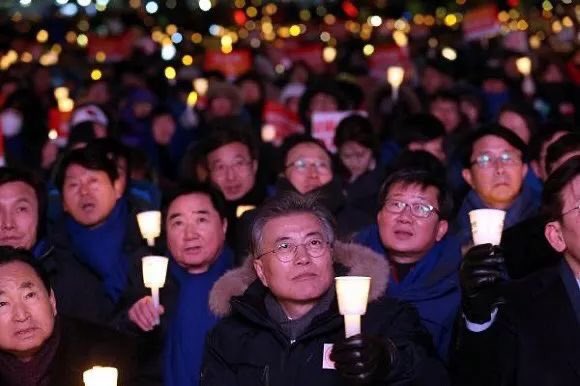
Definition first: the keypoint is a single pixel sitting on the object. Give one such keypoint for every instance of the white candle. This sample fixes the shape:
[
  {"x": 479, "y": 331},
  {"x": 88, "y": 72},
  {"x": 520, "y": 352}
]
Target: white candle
[
  {"x": 150, "y": 225},
  {"x": 395, "y": 76},
  {"x": 352, "y": 293},
  {"x": 524, "y": 65},
  {"x": 154, "y": 274},
  {"x": 101, "y": 376}
]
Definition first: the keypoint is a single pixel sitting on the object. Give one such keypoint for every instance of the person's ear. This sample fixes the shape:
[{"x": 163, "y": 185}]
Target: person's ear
[
  {"x": 52, "y": 300},
  {"x": 225, "y": 225},
  {"x": 442, "y": 228},
  {"x": 118, "y": 187},
  {"x": 259, "y": 268},
  {"x": 536, "y": 168},
  {"x": 553, "y": 233},
  {"x": 467, "y": 176}
]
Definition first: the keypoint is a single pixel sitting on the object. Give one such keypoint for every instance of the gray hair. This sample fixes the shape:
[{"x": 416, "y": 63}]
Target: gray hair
[{"x": 287, "y": 204}]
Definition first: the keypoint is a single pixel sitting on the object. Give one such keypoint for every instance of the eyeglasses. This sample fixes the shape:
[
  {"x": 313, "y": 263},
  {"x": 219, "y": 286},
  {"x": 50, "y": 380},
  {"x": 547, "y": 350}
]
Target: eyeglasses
[
  {"x": 486, "y": 160},
  {"x": 302, "y": 165},
  {"x": 286, "y": 250},
  {"x": 238, "y": 167},
  {"x": 418, "y": 209}
]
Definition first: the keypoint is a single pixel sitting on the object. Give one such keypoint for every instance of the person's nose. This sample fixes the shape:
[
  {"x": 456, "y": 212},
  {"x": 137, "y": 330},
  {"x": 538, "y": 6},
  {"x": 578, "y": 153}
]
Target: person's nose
[
  {"x": 84, "y": 188},
  {"x": 7, "y": 222},
  {"x": 20, "y": 312},
  {"x": 301, "y": 255},
  {"x": 499, "y": 167},
  {"x": 190, "y": 232},
  {"x": 312, "y": 171},
  {"x": 405, "y": 216},
  {"x": 230, "y": 174}
]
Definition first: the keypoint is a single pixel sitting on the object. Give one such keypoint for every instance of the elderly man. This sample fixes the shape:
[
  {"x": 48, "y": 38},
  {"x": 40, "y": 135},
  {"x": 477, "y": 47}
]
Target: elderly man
[
  {"x": 39, "y": 348},
  {"x": 494, "y": 167},
  {"x": 411, "y": 234},
  {"x": 195, "y": 225},
  {"x": 526, "y": 333},
  {"x": 97, "y": 242},
  {"x": 281, "y": 312}
]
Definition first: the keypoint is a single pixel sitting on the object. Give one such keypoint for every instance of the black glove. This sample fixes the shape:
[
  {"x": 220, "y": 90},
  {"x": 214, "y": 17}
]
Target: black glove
[
  {"x": 363, "y": 359},
  {"x": 481, "y": 274}
]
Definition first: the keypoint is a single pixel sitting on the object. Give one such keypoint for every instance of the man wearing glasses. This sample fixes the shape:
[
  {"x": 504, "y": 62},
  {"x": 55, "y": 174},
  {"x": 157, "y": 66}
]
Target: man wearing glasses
[
  {"x": 411, "y": 234},
  {"x": 281, "y": 324},
  {"x": 494, "y": 165}
]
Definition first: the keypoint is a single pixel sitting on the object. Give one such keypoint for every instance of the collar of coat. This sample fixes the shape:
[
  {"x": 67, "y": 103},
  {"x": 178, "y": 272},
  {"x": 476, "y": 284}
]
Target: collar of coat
[{"x": 358, "y": 261}]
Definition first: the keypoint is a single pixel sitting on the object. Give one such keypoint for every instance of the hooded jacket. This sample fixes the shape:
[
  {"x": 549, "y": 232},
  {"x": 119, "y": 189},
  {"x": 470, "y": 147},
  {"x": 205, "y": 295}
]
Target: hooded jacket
[{"x": 248, "y": 348}]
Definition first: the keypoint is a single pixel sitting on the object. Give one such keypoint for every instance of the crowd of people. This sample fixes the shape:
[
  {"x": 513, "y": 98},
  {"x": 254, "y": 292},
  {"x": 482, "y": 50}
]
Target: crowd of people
[{"x": 257, "y": 227}]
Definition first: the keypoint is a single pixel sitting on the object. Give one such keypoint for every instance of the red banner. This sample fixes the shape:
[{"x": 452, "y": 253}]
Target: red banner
[
  {"x": 232, "y": 65},
  {"x": 116, "y": 48},
  {"x": 324, "y": 126},
  {"x": 282, "y": 121},
  {"x": 481, "y": 23},
  {"x": 388, "y": 56}
]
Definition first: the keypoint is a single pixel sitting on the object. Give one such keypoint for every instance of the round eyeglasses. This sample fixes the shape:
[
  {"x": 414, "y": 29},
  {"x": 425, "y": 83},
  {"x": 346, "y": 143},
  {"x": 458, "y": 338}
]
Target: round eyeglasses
[
  {"x": 302, "y": 166},
  {"x": 418, "y": 209},
  {"x": 285, "y": 251},
  {"x": 487, "y": 160}
]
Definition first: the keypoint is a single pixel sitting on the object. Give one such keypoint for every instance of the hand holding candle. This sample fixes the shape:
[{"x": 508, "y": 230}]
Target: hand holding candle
[
  {"x": 150, "y": 225},
  {"x": 101, "y": 376},
  {"x": 352, "y": 293},
  {"x": 154, "y": 273}
]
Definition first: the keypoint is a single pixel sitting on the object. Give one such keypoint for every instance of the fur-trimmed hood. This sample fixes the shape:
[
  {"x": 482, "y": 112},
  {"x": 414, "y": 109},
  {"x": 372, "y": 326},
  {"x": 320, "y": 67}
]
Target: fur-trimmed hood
[{"x": 359, "y": 261}]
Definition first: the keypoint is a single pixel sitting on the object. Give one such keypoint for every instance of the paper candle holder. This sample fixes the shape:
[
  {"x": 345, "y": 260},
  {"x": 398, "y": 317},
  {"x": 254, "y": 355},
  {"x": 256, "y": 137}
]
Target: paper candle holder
[
  {"x": 486, "y": 225},
  {"x": 149, "y": 225},
  {"x": 101, "y": 376},
  {"x": 352, "y": 293}
]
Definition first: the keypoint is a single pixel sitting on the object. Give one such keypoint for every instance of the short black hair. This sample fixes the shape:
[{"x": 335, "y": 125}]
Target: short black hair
[
  {"x": 13, "y": 174},
  {"x": 445, "y": 95},
  {"x": 12, "y": 255},
  {"x": 216, "y": 197},
  {"x": 89, "y": 157},
  {"x": 421, "y": 127},
  {"x": 224, "y": 135},
  {"x": 524, "y": 111},
  {"x": 424, "y": 178},
  {"x": 298, "y": 139},
  {"x": 495, "y": 130},
  {"x": 544, "y": 134},
  {"x": 358, "y": 129},
  {"x": 552, "y": 200},
  {"x": 566, "y": 144}
]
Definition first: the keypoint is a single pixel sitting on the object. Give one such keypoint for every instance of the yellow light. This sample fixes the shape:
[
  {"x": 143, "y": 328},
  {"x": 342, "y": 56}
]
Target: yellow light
[
  {"x": 400, "y": 24},
  {"x": 324, "y": 36},
  {"x": 329, "y": 54},
  {"x": 48, "y": 59},
  {"x": 400, "y": 38},
  {"x": 524, "y": 65},
  {"x": 567, "y": 22},
  {"x": 305, "y": 15},
  {"x": 267, "y": 28},
  {"x": 449, "y": 53},
  {"x": 329, "y": 19},
  {"x": 270, "y": 9},
  {"x": 557, "y": 26},
  {"x": 166, "y": 41},
  {"x": 418, "y": 19},
  {"x": 82, "y": 40},
  {"x": 283, "y": 32},
  {"x": 226, "y": 40},
  {"x": 96, "y": 74},
  {"x": 100, "y": 7},
  {"x": 368, "y": 49},
  {"x": 200, "y": 85},
  {"x": 522, "y": 25},
  {"x": 134, "y": 3},
  {"x": 294, "y": 30},
  {"x": 450, "y": 20},
  {"x": 192, "y": 98},
  {"x": 26, "y": 57},
  {"x": 56, "y": 48},
  {"x": 196, "y": 38},
  {"x": 251, "y": 12},
  {"x": 234, "y": 36},
  {"x": 547, "y": 6},
  {"x": 240, "y": 3},
  {"x": 514, "y": 14},
  {"x": 227, "y": 49},
  {"x": 42, "y": 36},
  {"x": 429, "y": 20},
  {"x": 100, "y": 56},
  {"x": 535, "y": 42},
  {"x": 513, "y": 25},
  {"x": 71, "y": 37},
  {"x": 61, "y": 93},
  {"x": 52, "y": 134},
  {"x": 243, "y": 33},
  {"x": 170, "y": 72},
  {"x": 171, "y": 29},
  {"x": 187, "y": 60},
  {"x": 66, "y": 105}
]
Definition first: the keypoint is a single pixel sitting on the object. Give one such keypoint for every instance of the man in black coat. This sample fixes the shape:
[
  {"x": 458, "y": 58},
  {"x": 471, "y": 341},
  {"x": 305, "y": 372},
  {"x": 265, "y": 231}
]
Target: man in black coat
[
  {"x": 533, "y": 338},
  {"x": 37, "y": 348},
  {"x": 282, "y": 325}
]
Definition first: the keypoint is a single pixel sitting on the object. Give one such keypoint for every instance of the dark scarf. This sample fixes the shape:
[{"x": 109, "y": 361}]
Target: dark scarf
[
  {"x": 101, "y": 248},
  {"x": 36, "y": 372},
  {"x": 192, "y": 320},
  {"x": 293, "y": 328}
]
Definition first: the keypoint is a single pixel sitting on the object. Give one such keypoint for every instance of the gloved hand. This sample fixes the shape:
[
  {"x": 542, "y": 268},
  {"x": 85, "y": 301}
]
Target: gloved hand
[
  {"x": 481, "y": 274},
  {"x": 363, "y": 359}
]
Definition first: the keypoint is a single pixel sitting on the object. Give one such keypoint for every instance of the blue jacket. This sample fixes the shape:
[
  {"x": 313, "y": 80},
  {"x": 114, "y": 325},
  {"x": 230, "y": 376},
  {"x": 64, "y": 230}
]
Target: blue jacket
[
  {"x": 525, "y": 206},
  {"x": 432, "y": 286}
]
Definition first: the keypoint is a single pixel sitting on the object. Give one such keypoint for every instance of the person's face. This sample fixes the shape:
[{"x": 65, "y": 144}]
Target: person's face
[
  {"x": 195, "y": 232},
  {"x": 433, "y": 81},
  {"x": 99, "y": 93},
  {"x": 407, "y": 237},
  {"x": 322, "y": 102},
  {"x": 163, "y": 129},
  {"x": 18, "y": 215},
  {"x": 447, "y": 112},
  {"x": 356, "y": 157},
  {"x": 232, "y": 170},
  {"x": 564, "y": 234},
  {"x": 220, "y": 107},
  {"x": 142, "y": 109},
  {"x": 27, "y": 311},
  {"x": 515, "y": 123},
  {"x": 434, "y": 146},
  {"x": 250, "y": 92},
  {"x": 307, "y": 276},
  {"x": 497, "y": 183},
  {"x": 308, "y": 167},
  {"x": 89, "y": 196}
]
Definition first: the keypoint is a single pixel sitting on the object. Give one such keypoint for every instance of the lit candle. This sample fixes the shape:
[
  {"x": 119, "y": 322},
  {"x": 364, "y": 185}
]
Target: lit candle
[
  {"x": 524, "y": 66},
  {"x": 154, "y": 273},
  {"x": 150, "y": 225},
  {"x": 200, "y": 85},
  {"x": 395, "y": 76},
  {"x": 101, "y": 376},
  {"x": 352, "y": 293}
]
